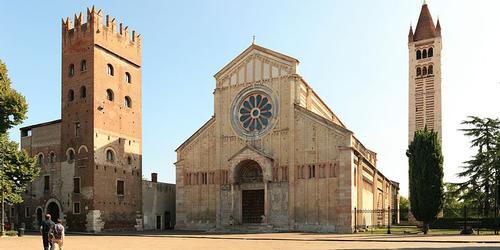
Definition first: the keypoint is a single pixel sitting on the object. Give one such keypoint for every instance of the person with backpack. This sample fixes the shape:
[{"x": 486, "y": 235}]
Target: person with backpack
[
  {"x": 45, "y": 228},
  {"x": 58, "y": 235}
]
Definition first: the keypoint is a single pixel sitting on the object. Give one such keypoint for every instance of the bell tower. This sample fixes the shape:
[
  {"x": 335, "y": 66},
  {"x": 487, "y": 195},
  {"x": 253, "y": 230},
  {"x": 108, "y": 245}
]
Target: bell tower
[
  {"x": 101, "y": 130},
  {"x": 424, "y": 50}
]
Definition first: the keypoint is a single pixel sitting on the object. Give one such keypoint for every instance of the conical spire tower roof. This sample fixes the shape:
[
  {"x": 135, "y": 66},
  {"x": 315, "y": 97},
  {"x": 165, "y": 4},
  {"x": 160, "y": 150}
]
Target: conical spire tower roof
[{"x": 425, "y": 28}]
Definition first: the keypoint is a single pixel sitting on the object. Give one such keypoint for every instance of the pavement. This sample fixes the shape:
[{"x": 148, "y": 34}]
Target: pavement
[{"x": 260, "y": 241}]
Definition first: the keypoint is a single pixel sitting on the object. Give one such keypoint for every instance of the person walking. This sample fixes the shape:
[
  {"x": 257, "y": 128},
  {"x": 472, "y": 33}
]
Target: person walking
[
  {"x": 45, "y": 229},
  {"x": 58, "y": 239}
]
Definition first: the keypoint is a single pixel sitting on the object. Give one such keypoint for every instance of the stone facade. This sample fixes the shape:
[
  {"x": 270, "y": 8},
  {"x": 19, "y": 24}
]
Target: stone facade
[
  {"x": 91, "y": 159},
  {"x": 158, "y": 204},
  {"x": 274, "y": 155}
]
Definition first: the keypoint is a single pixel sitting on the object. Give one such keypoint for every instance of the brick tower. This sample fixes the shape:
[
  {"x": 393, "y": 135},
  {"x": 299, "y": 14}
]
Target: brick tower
[
  {"x": 424, "y": 48},
  {"x": 101, "y": 127}
]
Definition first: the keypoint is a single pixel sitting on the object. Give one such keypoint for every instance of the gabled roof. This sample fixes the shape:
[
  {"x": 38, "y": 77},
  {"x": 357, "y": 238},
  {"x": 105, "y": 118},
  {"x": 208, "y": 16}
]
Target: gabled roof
[
  {"x": 247, "y": 51},
  {"x": 199, "y": 131},
  {"x": 249, "y": 147},
  {"x": 425, "y": 28},
  {"x": 40, "y": 125}
]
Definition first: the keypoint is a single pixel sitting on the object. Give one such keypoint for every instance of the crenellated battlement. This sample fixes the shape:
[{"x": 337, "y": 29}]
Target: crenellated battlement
[{"x": 94, "y": 25}]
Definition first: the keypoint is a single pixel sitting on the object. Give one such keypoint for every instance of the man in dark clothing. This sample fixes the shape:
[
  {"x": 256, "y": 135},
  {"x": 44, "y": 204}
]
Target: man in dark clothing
[{"x": 47, "y": 224}]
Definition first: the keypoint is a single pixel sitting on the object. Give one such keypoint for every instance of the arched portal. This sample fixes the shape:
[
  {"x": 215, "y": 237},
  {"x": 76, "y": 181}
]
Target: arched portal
[
  {"x": 53, "y": 210},
  {"x": 249, "y": 176}
]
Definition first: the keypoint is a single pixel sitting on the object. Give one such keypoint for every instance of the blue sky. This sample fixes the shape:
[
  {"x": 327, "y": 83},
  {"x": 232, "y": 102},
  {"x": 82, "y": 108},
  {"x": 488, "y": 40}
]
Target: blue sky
[{"x": 353, "y": 53}]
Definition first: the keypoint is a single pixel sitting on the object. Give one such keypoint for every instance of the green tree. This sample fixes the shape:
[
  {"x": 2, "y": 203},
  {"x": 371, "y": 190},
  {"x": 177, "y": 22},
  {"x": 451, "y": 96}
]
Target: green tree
[
  {"x": 13, "y": 106},
  {"x": 17, "y": 168},
  {"x": 482, "y": 171},
  {"x": 425, "y": 176},
  {"x": 404, "y": 205}
]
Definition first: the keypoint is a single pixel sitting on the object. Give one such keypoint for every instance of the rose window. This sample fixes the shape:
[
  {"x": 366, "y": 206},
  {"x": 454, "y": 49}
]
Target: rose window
[{"x": 255, "y": 112}]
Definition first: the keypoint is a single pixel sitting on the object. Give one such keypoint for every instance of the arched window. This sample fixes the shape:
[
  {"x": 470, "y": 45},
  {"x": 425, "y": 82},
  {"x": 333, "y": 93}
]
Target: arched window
[
  {"x": 128, "y": 79},
  {"x": 430, "y": 52},
  {"x": 52, "y": 157},
  {"x": 71, "y": 95},
  {"x": 419, "y": 71},
  {"x": 109, "y": 95},
  {"x": 83, "y": 92},
  {"x": 83, "y": 65},
  {"x": 110, "y": 156},
  {"x": 71, "y": 70},
  {"x": 39, "y": 160},
  {"x": 419, "y": 54},
  {"x": 424, "y": 71},
  {"x": 424, "y": 53},
  {"x": 71, "y": 155},
  {"x": 430, "y": 70},
  {"x": 128, "y": 102},
  {"x": 111, "y": 71}
]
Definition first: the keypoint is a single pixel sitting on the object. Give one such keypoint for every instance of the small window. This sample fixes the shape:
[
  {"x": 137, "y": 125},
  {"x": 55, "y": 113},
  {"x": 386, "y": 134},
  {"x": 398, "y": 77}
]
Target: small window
[
  {"x": 312, "y": 171},
  {"x": 46, "y": 183},
  {"x": 128, "y": 102},
  {"x": 83, "y": 92},
  {"x": 71, "y": 95},
  {"x": 76, "y": 185},
  {"x": 129, "y": 160},
  {"x": 52, "y": 157},
  {"x": 430, "y": 52},
  {"x": 76, "y": 208},
  {"x": 128, "y": 79},
  {"x": 424, "y": 71},
  {"x": 419, "y": 54},
  {"x": 27, "y": 212},
  {"x": 77, "y": 129},
  {"x": 110, "y": 95},
  {"x": 71, "y": 155},
  {"x": 430, "y": 70},
  {"x": 419, "y": 71},
  {"x": 424, "y": 53},
  {"x": 110, "y": 156},
  {"x": 40, "y": 159},
  {"x": 355, "y": 177},
  {"x": 120, "y": 187},
  {"x": 71, "y": 70},
  {"x": 83, "y": 65},
  {"x": 111, "y": 71}
]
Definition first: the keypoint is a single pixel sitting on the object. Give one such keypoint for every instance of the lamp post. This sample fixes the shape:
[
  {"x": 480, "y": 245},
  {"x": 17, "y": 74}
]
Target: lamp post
[{"x": 2, "y": 211}]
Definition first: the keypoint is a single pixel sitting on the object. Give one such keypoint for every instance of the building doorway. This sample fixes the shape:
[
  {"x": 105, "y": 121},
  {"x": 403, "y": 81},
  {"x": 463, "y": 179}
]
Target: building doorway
[
  {"x": 167, "y": 221},
  {"x": 39, "y": 216},
  {"x": 53, "y": 210},
  {"x": 252, "y": 206},
  {"x": 250, "y": 177},
  {"x": 158, "y": 222}
]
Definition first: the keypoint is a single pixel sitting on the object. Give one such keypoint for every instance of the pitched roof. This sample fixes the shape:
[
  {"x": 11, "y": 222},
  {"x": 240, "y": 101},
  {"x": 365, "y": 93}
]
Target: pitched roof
[{"x": 425, "y": 27}]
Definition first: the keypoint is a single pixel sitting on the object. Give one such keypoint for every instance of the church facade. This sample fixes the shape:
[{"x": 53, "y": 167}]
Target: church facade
[{"x": 276, "y": 156}]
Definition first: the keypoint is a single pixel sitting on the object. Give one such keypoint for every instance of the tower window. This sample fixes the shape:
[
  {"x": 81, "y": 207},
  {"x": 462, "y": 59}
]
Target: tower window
[
  {"x": 129, "y": 160},
  {"x": 110, "y": 156},
  {"x": 128, "y": 102},
  {"x": 419, "y": 71},
  {"x": 430, "y": 52},
  {"x": 71, "y": 95},
  {"x": 109, "y": 95},
  {"x": 77, "y": 129},
  {"x": 39, "y": 160},
  {"x": 76, "y": 185},
  {"x": 83, "y": 65},
  {"x": 128, "y": 79},
  {"x": 71, "y": 155},
  {"x": 419, "y": 54},
  {"x": 120, "y": 187},
  {"x": 430, "y": 70},
  {"x": 424, "y": 53},
  {"x": 83, "y": 92},
  {"x": 52, "y": 157},
  {"x": 71, "y": 71},
  {"x": 111, "y": 71},
  {"x": 424, "y": 71}
]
